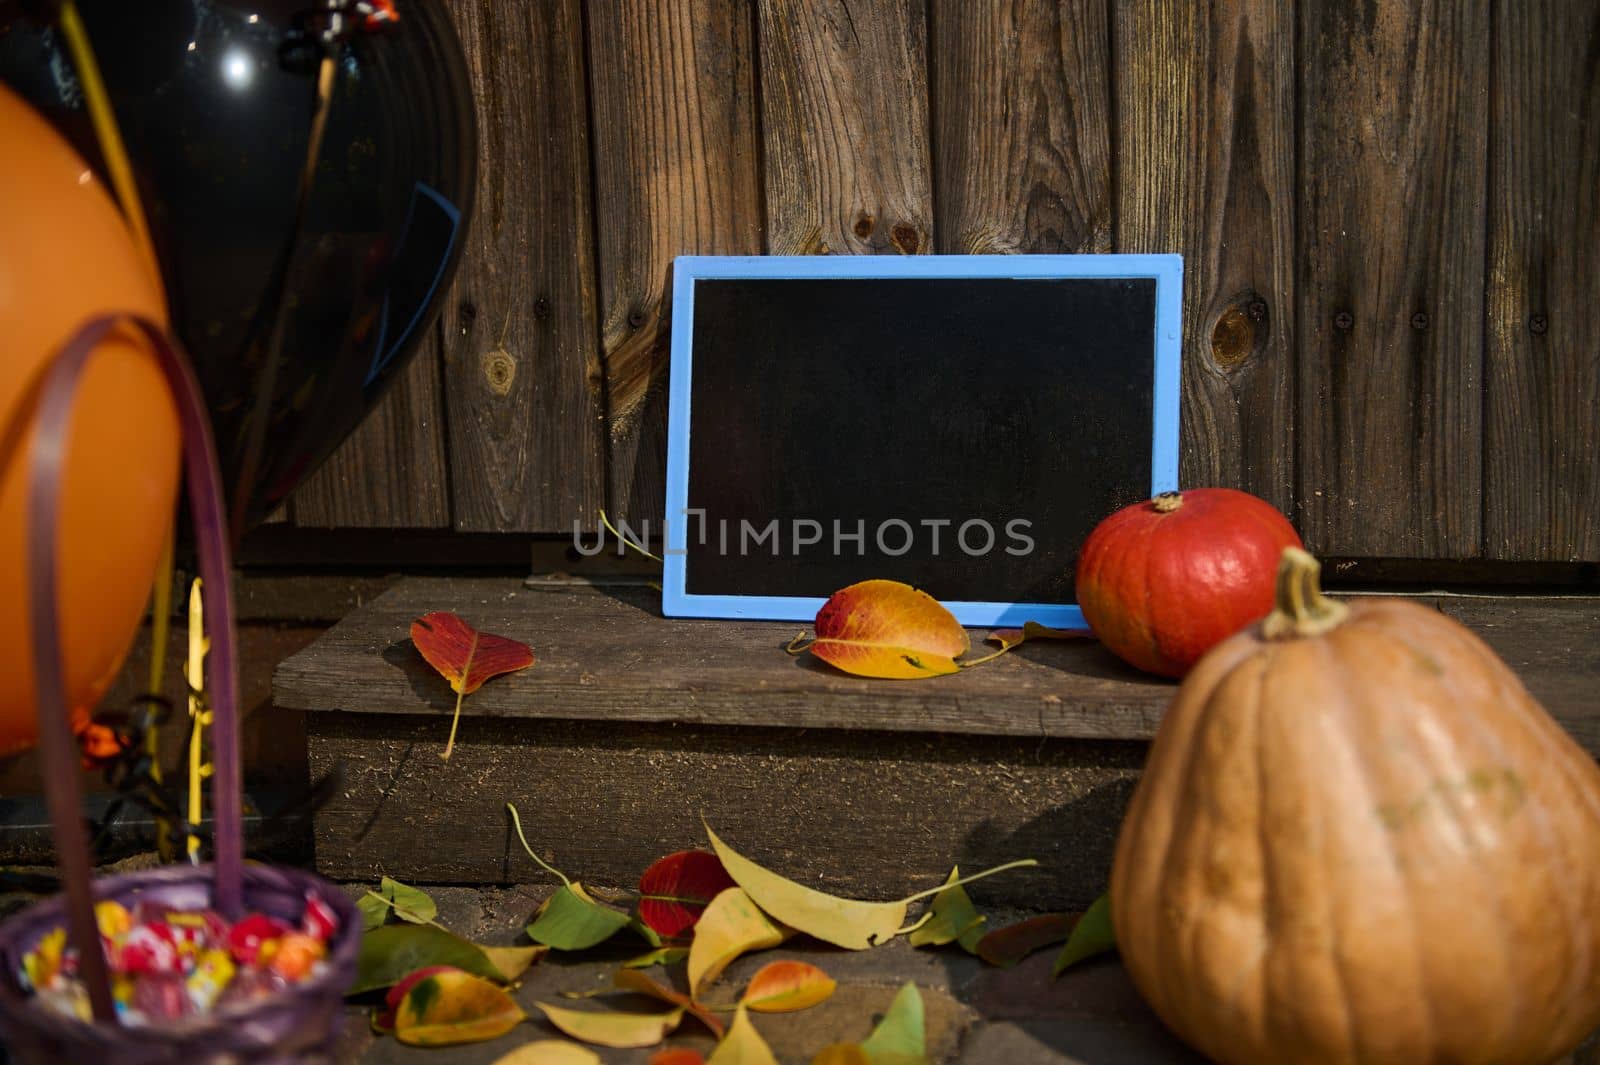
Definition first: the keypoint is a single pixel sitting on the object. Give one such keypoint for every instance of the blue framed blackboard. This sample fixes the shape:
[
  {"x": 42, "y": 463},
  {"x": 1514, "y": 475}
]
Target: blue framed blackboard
[{"x": 956, "y": 422}]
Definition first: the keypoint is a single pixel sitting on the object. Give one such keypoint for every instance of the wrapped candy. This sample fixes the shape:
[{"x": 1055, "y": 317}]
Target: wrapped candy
[
  {"x": 249, "y": 985},
  {"x": 160, "y": 996},
  {"x": 167, "y": 964},
  {"x": 246, "y": 938},
  {"x": 295, "y": 955},
  {"x": 113, "y": 918},
  {"x": 148, "y": 948},
  {"x": 212, "y": 974},
  {"x": 319, "y": 922}
]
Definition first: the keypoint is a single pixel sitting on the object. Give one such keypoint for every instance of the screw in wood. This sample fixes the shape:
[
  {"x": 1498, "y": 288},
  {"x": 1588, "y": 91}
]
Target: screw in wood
[
  {"x": 1257, "y": 310},
  {"x": 636, "y": 318},
  {"x": 1343, "y": 320},
  {"x": 1538, "y": 325},
  {"x": 1419, "y": 321}
]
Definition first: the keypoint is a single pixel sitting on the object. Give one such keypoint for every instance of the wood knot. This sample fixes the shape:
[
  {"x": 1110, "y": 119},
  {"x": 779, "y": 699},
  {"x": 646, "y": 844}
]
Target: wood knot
[
  {"x": 1235, "y": 334},
  {"x": 863, "y": 226},
  {"x": 500, "y": 370},
  {"x": 904, "y": 236}
]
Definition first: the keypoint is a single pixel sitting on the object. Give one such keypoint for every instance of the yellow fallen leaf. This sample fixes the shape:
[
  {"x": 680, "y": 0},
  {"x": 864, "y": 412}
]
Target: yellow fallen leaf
[
  {"x": 451, "y": 1007},
  {"x": 732, "y": 925},
  {"x": 743, "y": 1045},
  {"x": 848, "y": 923},
  {"x": 841, "y": 1054},
  {"x": 609, "y": 1028},
  {"x": 512, "y": 962},
  {"x": 550, "y": 1052},
  {"x": 787, "y": 986}
]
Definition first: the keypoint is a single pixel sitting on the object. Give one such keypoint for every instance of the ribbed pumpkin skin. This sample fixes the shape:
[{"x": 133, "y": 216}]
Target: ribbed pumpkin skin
[
  {"x": 1370, "y": 846},
  {"x": 1162, "y": 589}
]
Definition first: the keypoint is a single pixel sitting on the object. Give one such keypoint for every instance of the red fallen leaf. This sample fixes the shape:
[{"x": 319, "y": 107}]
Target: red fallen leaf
[
  {"x": 465, "y": 657},
  {"x": 677, "y": 1056},
  {"x": 676, "y": 890},
  {"x": 1007, "y": 946}
]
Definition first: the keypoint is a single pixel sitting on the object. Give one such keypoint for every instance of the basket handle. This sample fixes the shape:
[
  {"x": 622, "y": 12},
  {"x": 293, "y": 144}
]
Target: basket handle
[{"x": 57, "y": 747}]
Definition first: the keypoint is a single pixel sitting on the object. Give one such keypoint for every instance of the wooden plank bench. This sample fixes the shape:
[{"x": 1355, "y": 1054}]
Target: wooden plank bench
[{"x": 631, "y": 726}]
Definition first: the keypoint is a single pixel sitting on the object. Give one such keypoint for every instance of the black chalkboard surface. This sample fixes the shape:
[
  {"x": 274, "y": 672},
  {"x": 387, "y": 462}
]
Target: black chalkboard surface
[{"x": 960, "y": 433}]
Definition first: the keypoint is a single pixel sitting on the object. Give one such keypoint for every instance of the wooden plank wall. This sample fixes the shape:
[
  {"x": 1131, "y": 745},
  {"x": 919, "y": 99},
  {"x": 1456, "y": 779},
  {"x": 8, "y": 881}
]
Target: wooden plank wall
[{"x": 1388, "y": 211}]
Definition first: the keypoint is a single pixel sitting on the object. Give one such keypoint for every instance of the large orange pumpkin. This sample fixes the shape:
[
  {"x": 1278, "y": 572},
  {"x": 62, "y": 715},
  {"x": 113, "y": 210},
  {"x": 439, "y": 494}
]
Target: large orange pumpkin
[
  {"x": 65, "y": 256},
  {"x": 1359, "y": 840}
]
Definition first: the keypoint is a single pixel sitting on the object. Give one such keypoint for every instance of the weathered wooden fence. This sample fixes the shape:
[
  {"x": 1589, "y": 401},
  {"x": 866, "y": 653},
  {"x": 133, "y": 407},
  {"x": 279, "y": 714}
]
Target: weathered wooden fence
[{"x": 1389, "y": 212}]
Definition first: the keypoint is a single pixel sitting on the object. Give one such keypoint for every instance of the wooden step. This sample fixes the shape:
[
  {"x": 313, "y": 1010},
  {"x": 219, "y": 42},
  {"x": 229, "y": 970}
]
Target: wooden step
[{"x": 631, "y": 726}]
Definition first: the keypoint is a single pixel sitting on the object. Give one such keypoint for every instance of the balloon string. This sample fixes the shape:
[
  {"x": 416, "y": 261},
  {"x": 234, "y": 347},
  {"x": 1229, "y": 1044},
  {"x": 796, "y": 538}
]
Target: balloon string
[
  {"x": 109, "y": 138},
  {"x": 160, "y": 632},
  {"x": 266, "y": 381},
  {"x": 115, "y": 154}
]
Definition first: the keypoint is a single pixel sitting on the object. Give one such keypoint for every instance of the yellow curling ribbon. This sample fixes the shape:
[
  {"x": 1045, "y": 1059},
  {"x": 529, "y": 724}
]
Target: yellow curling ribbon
[{"x": 199, "y": 716}]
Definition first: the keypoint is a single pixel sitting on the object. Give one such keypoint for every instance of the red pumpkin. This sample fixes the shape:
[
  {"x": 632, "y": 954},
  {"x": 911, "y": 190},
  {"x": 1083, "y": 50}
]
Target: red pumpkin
[{"x": 1164, "y": 581}]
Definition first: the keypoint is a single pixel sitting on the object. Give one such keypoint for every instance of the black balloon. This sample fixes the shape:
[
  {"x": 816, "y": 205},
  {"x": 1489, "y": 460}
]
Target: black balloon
[{"x": 215, "y": 100}]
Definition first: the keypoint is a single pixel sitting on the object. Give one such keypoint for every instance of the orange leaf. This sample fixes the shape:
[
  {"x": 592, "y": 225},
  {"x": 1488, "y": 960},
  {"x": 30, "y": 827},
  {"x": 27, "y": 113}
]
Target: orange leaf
[
  {"x": 1007, "y": 946},
  {"x": 887, "y": 629},
  {"x": 677, "y": 1056},
  {"x": 787, "y": 986},
  {"x": 675, "y": 891},
  {"x": 463, "y": 655},
  {"x": 452, "y": 1007},
  {"x": 637, "y": 982}
]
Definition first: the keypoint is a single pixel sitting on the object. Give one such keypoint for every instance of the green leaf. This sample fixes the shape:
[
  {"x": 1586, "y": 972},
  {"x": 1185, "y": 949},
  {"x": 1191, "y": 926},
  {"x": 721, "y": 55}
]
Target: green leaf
[
  {"x": 954, "y": 919},
  {"x": 659, "y": 956},
  {"x": 1092, "y": 935},
  {"x": 374, "y": 910},
  {"x": 393, "y": 952},
  {"x": 412, "y": 905},
  {"x": 900, "y": 1037},
  {"x": 571, "y": 919}
]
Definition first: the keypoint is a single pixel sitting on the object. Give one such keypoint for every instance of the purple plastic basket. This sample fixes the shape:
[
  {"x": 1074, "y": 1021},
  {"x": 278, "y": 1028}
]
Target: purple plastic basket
[{"x": 296, "y": 1027}]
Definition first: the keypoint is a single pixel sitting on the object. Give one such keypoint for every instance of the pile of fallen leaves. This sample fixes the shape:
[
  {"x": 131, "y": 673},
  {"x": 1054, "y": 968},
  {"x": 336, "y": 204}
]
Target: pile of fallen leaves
[{"x": 694, "y": 914}]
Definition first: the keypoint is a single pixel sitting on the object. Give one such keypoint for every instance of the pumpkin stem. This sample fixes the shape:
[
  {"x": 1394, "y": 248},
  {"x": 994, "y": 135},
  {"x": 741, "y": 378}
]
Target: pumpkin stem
[
  {"x": 1167, "y": 502},
  {"x": 1300, "y": 608}
]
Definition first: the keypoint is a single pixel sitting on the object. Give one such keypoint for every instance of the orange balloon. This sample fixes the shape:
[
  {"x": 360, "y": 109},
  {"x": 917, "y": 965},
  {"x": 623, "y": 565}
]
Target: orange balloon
[{"x": 66, "y": 256}]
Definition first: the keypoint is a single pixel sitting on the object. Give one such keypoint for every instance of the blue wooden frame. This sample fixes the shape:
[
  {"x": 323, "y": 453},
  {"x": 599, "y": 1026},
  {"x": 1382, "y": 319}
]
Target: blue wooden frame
[{"x": 1167, "y": 270}]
